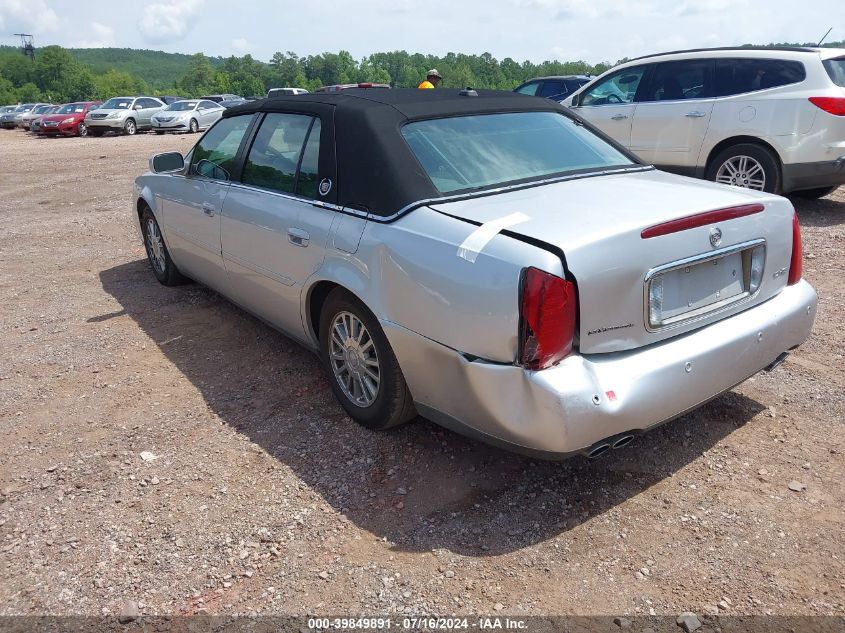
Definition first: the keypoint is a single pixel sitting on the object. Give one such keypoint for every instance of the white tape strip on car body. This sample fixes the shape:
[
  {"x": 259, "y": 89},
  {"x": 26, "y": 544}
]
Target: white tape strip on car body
[{"x": 478, "y": 239}]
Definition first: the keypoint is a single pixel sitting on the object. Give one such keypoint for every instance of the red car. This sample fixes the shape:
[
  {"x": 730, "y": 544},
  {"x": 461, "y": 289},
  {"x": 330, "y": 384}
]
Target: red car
[{"x": 69, "y": 120}]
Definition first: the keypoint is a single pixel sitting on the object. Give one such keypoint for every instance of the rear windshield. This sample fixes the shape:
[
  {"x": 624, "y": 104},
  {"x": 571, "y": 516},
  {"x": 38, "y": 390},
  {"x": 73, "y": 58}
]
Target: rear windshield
[
  {"x": 180, "y": 106},
  {"x": 471, "y": 152},
  {"x": 116, "y": 104},
  {"x": 69, "y": 108},
  {"x": 836, "y": 69}
]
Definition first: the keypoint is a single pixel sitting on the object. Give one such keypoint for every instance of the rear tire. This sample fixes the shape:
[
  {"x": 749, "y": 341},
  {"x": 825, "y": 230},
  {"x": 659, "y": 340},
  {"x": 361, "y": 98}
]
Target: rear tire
[
  {"x": 745, "y": 165},
  {"x": 163, "y": 267},
  {"x": 351, "y": 338},
  {"x": 814, "y": 194}
]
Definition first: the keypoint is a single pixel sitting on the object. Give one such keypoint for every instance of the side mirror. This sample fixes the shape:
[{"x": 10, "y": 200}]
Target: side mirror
[
  {"x": 138, "y": 106},
  {"x": 167, "y": 162}
]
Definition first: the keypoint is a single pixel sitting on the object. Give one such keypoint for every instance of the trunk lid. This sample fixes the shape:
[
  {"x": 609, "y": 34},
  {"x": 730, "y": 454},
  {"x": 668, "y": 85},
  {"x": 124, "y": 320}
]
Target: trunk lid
[{"x": 597, "y": 222}]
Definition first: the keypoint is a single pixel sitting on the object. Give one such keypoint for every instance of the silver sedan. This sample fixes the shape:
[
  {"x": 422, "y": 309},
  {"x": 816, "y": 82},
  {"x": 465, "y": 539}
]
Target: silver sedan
[
  {"x": 486, "y": 260},
  {"x": 190, "y": 115}
]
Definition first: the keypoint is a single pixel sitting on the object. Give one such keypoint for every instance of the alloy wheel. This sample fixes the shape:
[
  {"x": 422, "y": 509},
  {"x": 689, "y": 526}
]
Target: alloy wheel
[
  {"x": 82, "y": 130},
  {"x": 155, "y": 247},
  {"x": 354, "y": 359},
  {"x": 742, "y": 171}
]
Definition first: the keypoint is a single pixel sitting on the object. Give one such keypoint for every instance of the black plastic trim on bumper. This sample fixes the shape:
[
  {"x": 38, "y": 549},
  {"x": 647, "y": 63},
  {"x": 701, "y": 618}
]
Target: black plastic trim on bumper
[{"x": 829, "y": 173}]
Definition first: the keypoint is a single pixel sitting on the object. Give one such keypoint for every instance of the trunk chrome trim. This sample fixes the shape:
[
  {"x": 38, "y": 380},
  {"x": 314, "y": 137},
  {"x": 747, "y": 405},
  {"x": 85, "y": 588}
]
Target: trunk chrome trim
[{"x": 706, "y": 311}]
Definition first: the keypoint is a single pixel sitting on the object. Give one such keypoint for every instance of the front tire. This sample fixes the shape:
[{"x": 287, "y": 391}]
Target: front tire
[
  {"x": 193, "y": 126},
  {"x": 748, "y": 166},
  {"x": 129, "y": 128},
  {"x": 364, "y": 373},
  {"x": 163, "y": 267},
  {"x": 81, "y": 130}
]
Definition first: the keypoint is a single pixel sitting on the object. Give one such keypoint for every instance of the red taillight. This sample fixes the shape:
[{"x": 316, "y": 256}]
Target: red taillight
[
  {"x": 547, "y": 319},
  {"x": 796, "y": 263},
  {"x": 700, "y": 219},
  {"x": 831, "y": 105}
]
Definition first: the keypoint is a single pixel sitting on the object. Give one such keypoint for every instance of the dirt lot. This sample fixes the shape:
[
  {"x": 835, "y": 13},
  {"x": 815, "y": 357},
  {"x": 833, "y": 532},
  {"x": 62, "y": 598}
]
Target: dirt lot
[{"x": 261, "y": 496}]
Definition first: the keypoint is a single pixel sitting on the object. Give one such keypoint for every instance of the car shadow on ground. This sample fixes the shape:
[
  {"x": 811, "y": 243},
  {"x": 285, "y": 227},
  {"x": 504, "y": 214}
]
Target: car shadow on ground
[
  {"x": 819, "y": 213},
  {"x": 419, "y": 487}
]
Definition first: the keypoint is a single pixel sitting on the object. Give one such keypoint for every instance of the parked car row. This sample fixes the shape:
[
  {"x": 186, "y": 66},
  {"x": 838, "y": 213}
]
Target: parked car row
[{"x": 123, "y": 115}]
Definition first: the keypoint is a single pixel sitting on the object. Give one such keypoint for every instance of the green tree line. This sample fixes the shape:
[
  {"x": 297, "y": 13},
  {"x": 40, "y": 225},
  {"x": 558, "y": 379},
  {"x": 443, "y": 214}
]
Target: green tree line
[
  {"x": 58, "y": 75},
  {"x": 61, "y": 75}
]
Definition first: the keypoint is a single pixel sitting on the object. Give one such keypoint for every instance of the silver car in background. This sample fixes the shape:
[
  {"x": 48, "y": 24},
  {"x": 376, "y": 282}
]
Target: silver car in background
[
  {"x": 484, "y": 259},
  {"x": 125, "y": 115},
  {"x": 190, "y": 115},
  {"x": 9, "y": 120},
  {"x": 40, "y": 109}
]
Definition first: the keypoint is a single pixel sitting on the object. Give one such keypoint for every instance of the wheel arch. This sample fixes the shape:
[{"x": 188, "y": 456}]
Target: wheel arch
[
  {"x": 741, "y": 140},
  {"x": 315, "y": 298}
]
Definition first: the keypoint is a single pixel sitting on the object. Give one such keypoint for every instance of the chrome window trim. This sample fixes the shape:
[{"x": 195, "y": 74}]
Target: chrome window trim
[
  {"x": 712, "y": 309},
  {"x": 294, "y": 197}
]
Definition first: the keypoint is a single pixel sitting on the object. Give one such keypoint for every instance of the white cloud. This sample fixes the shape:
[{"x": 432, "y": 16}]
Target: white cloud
[
  {"x": 102, "y": 36},
  {"x": 164, "y": 23},
  {"x": 29, "y": 16},
  {"x": 240, "y": 44}
]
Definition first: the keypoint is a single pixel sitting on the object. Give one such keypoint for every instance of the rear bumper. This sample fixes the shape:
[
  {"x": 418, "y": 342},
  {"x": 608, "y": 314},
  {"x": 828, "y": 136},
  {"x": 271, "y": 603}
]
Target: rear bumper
[
  {"x": 829, "y": 173},
  {"x": 568, "y": 408}
]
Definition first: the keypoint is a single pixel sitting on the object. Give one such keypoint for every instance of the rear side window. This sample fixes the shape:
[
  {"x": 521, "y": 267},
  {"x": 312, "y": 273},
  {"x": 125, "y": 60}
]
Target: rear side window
[
  {"x": 836, "y": 70},
  {"x": 471, "y": 152},
  {"x": 280, "y": 153},
  {"x": 676, "y": 81},
  {"x": 552, "y": 88},
  {"x": 214, "y": 156},
  {"x": 738, "y": 76}
]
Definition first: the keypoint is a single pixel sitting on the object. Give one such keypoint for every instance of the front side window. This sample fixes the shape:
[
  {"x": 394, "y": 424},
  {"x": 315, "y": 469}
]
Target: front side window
[
  {"x": 274, "y": 159},
  {"x": 738, "y": 76},
  {"x": 676, "y": 81},
  {"x": 214, "y": 155},
  {"x": 620, "y": 87},
  {"x": 529, "y": 89},
  {"x": 472, "y": 152}
]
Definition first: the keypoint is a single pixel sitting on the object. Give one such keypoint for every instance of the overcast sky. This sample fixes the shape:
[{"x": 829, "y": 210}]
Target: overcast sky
[{"x": 591, "y": 30}]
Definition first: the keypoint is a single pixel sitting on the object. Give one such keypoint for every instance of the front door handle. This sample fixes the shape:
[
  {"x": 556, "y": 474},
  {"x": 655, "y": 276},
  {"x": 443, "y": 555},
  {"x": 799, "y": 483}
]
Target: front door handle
[
  {"x": 619, "y": 117},
  {"x": 696, "y": 114},
  {"x": 298, "y": 237}
]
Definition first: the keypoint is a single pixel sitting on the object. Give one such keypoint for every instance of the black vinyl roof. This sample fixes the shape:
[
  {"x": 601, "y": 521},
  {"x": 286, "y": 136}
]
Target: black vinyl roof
[{"x": 375, "y": 168}]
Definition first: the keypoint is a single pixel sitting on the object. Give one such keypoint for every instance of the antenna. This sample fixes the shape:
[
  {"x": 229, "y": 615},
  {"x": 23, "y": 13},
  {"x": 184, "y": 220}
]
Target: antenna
[
  {"x": 27, "y": 47},
  {"x": 825, "y": 35}
]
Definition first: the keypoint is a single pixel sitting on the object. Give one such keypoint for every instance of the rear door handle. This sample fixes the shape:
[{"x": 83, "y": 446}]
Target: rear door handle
[
  {"x": 696, "y": 114},
  {"x": 298, "y": 237},
  {"x": 619, "y": 117},
  {"x": 208, "y": 209}
]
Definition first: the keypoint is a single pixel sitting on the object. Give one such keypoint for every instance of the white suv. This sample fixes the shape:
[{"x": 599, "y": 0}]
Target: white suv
[{"x": 763, "y": 118}]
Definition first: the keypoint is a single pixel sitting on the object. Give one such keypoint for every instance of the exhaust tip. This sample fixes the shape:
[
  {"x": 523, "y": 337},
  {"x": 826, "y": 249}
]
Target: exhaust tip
[
  {"x": 623, "y": 441},
  {"x": 777, "y": 362},
  {"x": 596, "y": 451}
]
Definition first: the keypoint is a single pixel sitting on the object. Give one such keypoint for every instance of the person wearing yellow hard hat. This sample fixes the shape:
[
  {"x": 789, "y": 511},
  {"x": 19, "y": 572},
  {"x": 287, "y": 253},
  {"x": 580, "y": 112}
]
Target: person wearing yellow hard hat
[{"x": 432, "y": 78}]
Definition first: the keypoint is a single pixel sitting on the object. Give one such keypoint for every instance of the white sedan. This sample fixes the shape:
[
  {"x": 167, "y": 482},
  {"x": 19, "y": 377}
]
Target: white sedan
[{"x": 187, "y": 116}]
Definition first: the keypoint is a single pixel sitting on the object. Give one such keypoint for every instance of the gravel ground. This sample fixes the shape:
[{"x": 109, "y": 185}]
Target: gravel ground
[{"x": 162, "y": 447}]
